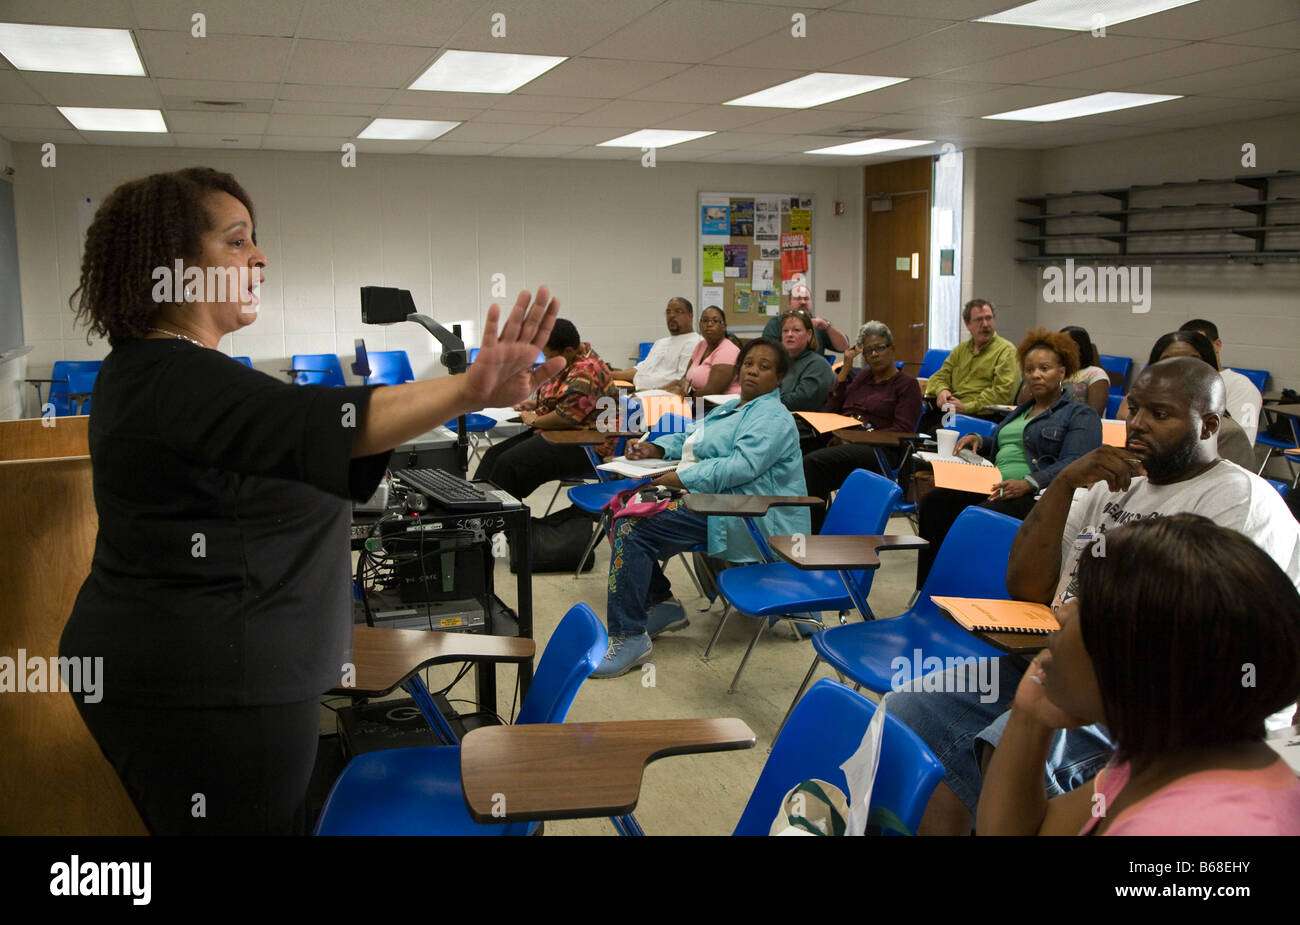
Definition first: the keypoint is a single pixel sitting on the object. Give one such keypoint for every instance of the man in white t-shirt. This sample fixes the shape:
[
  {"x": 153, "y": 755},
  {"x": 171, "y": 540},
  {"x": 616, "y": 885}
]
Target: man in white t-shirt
[
  {"x": 1243, "y": 401},
  {"x": 668, "y": 358},
  {"x": 1170, "y": 464}
]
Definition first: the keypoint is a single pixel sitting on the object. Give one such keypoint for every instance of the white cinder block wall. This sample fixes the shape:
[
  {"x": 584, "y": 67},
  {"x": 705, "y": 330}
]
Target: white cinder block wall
[{"x": 600, "y": 233}]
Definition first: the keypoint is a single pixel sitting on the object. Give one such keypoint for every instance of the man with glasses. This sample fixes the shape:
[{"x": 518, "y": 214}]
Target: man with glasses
[
  {"x": 828, "y": 337},
  {"x": 979, "y": 372},
  {"x": 669, "y": 357}
]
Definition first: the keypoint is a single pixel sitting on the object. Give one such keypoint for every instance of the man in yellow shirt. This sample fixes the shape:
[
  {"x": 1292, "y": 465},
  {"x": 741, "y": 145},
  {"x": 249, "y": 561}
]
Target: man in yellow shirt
[{"x": 979, "y": 372}]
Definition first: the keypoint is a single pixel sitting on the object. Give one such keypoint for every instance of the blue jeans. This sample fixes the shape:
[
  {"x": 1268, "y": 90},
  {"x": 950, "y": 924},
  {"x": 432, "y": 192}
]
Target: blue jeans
[
  {"x": 635, "y": 578},
  {"x": 956, "y": 726}
]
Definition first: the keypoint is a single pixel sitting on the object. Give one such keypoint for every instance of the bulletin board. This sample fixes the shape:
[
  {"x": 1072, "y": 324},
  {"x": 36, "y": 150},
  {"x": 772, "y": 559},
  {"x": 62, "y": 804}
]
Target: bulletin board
[{"x": 753, "y": 249}]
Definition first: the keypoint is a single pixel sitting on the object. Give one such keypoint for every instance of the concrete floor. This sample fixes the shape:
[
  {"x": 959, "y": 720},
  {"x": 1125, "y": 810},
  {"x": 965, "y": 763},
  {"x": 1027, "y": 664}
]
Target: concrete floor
[{"x": 692, "y": 794}]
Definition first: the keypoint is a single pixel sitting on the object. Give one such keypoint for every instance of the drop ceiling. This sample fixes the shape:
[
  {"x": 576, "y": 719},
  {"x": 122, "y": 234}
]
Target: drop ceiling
[{"x": 310, "y": 74}]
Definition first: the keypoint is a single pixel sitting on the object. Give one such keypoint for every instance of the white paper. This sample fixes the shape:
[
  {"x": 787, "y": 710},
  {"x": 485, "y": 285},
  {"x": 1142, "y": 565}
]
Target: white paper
[
  {"x": 972, "y": 460},
  {"x": 711, "y": 295},
  {"x": 719, "y": 276},
  {"x": 860, "y": 772},
  {"x": 731, "y": 271},
  {"x": 498, "y": 414},
  {"x": 651, "y": 393},
  {"x": 762, "y": 275},
  {"x": 722, "y": 399},
  {"x": 638, "y": 468}
]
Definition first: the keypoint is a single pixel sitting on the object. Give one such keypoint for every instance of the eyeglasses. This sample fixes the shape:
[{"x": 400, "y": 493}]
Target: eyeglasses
[
  {"x": 712, "y": 320},
  {"x": 872, "y": 351}
]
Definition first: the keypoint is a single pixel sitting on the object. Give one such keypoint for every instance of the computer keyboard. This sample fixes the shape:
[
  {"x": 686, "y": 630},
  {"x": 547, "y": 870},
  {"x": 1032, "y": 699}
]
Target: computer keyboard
[{"x": 448, "y": 491}]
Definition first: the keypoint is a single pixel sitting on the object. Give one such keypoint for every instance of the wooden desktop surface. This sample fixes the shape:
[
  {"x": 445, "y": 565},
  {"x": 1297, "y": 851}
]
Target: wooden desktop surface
[
  {"x": 1291, "y": 411},
  {"x": 578, "y": 770},
  {"x": 745, "y": 505},
  {"x": 384, "y": 658},
  {"x": 873, "y": 437},
  {"x": 841, "y": 552}
]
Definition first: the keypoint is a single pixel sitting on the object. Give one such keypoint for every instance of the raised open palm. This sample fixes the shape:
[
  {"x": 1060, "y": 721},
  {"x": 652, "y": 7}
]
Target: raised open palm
[{"x": 503, "y": 373}]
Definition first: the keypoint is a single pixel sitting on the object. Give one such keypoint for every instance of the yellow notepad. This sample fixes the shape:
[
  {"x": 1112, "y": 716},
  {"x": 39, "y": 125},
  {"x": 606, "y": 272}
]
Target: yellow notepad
[
  {"x": 1114, "y": 433},
  {"x": 999, "y": 616},
  {"x": 825, "y": 421}
]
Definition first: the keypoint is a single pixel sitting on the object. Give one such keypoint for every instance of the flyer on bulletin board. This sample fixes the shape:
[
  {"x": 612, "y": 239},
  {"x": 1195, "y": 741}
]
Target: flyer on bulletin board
[
  {"x": 713, "y": 262},
  {"x": 737, "y": 256},
  {"x": 714, "y": 221},
  {"x": 741, "y": 298},
  {"x": 711, "y": 297},
  {"x": 801, "y": 223},
  {"x": 742, "y": 218}
]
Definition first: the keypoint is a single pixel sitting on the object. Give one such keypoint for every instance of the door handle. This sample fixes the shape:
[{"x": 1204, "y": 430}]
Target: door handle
[{"x": 921, "y": 325}]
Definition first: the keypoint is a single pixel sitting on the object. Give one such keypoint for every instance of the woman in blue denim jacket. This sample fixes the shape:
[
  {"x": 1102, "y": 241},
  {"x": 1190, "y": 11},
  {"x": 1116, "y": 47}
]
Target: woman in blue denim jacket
[
  {"x": 750, "y": 447},
  {"x": 1042, "y": 436}
]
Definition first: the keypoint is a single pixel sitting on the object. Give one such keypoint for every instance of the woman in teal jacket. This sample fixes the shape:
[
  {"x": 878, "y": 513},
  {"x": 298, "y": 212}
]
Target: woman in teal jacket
[{"x": 750, "y": 447}]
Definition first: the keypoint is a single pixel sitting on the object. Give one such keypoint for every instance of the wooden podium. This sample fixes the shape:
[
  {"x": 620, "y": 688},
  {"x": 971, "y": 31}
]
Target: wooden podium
[{"x": 53, "y": 778}]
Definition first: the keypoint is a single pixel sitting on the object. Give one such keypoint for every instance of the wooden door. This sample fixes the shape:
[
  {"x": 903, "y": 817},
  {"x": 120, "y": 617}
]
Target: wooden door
[{"x": 897, "y": 226}]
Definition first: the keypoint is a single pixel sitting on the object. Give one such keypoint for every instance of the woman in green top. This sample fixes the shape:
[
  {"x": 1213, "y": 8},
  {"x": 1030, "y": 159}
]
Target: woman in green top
[{"x": 1042, "y": 436}]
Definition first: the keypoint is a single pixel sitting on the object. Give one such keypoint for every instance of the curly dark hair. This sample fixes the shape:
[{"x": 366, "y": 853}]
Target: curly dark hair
[
  {"x": 141, "y": 225},
  {"x": 1062, "y": 345}
]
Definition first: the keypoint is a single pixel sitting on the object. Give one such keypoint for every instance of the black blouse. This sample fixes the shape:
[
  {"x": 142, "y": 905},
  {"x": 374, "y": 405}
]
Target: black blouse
[{"x": 221, "y": 574}]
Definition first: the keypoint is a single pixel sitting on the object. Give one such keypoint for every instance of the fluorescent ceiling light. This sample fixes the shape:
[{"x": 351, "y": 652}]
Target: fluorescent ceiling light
[
  {"x": 114, "y": 120},
  {"x": 814, "y": 90},
  {"x": 70, "y": 49},
  {"x": 652, "y": 138},
  {"x": 483, "y": 72},
  {"x": 1083, "y": 106},
  {"x": 406, "y": 129},
  {"x": 1081, "y": 15},
  {"x": 872, "y": 146}
]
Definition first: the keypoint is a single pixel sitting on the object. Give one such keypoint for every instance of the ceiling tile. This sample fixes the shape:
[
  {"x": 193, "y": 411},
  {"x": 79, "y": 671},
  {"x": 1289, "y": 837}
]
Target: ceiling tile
[
  {"x": 570, "y": 135},
  {"x": 312, "y": 108},
  {"x": 1242, "y": 112},
  {"x": 1268, "y": 70},
  {"x": 691, "y": 31},
  {"x": 1208, "y": 19},
  {"x": 95, "y": 90},
  {"x": 217, "y": 89},
  {"x": 1274, "y": 90},
  {"x": 17, "y": 115},
  {"x": 193, "y": 140},
  {"x": 1004, "y": 99},
  {"x": 218, "y": 123},
  {"x": 632, "y": 113},
  {"x": 40, "y": 136},
  {"x": 493, "y": 132},
  {"x": 303, "y": 143},
  {"x": 1075, "y": 53},
  {"x": 947, "y": 48},
  {"x": 707, "y": 84},
  {"x": 230, "y": 17},
  {"x": 916, "y": 92},
  {"x": 574, "y": 104},
  {"x": 1147, "y": 69},
  {"x": 178, "y": 103},
  {"x": 389, "y": 146},
  {"x": 533, "y": 150},
  {"x": 1278, "y": 35},
  {"x": 525, "y": 117},
  {"x": 592, "y": 77},
  {"x": 327, "y": 126},
  {"x": 717, "y": 118},
  {"x": 326, "y": 94},
  {"x": 131, "y": 139},
  {"x": 956, "y": 10},
  {"x": 565, "y": 28},
  {"x": 812, "y": 120},
  {"x": 109, "y": 14},
  {"x": 14, "y": 88},
  {"x": 736, "y": 157},
  {"x": 217, "y": 57},
  {"x": 356, "y": 64},
  {"x": 401, "y": 22},
  {"x": 830, "y": 38},
  {"x": 459, "y": 148}
]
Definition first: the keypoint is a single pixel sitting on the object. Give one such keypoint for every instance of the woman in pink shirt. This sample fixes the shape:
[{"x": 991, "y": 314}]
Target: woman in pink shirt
[
  {"x": 712, "y": 368},
  {"x": 1184, "y": 637}
]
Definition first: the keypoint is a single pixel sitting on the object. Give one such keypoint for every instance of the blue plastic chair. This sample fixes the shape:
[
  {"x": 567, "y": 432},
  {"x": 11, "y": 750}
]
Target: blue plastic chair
[
  {"x": 931, "y": 362},
  {"x": 247, "y": 361},
  {"x": 1113, "y": 402},
  {"x": 417, "y": 791},
  {"x": 1257, "y": 377},
  {"x": 1282, "y": 487},
  {"x": 644, "y": 350},
  {"x": 824, "y": 730},
  {"x": 1120, "y": 366},
  {"x": 777, "y": 590},
  {"x": 972, "y": 562},
  {"x": 389, "y": 367},
  {"x": 74, "y": 380},
  {"x": 965, "y": 424},
  {"x": 1275, "y": 445},
  {"x": 317, "y": 369}
]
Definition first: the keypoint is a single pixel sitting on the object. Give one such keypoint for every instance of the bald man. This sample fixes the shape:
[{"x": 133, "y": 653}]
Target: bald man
[{"x": 1170, "y": 464}]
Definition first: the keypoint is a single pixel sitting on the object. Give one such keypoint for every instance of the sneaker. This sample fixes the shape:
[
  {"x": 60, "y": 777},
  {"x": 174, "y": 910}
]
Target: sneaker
[
  {"x": 667, "y": 616},
  {"x": 624, "y": 654}
]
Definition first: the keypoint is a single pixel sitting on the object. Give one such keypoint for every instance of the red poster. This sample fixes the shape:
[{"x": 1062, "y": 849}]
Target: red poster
[{"x": 793, "y": 262}]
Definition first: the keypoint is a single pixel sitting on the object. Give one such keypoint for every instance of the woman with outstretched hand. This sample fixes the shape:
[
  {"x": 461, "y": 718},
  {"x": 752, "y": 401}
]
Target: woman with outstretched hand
[{"x": 220, "y": 592}]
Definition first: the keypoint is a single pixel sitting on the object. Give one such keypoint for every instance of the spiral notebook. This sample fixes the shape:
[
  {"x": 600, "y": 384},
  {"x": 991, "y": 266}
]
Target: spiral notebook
[
  {"x": 999, "y": 616},
  {"x": 968, "y": 472}
]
